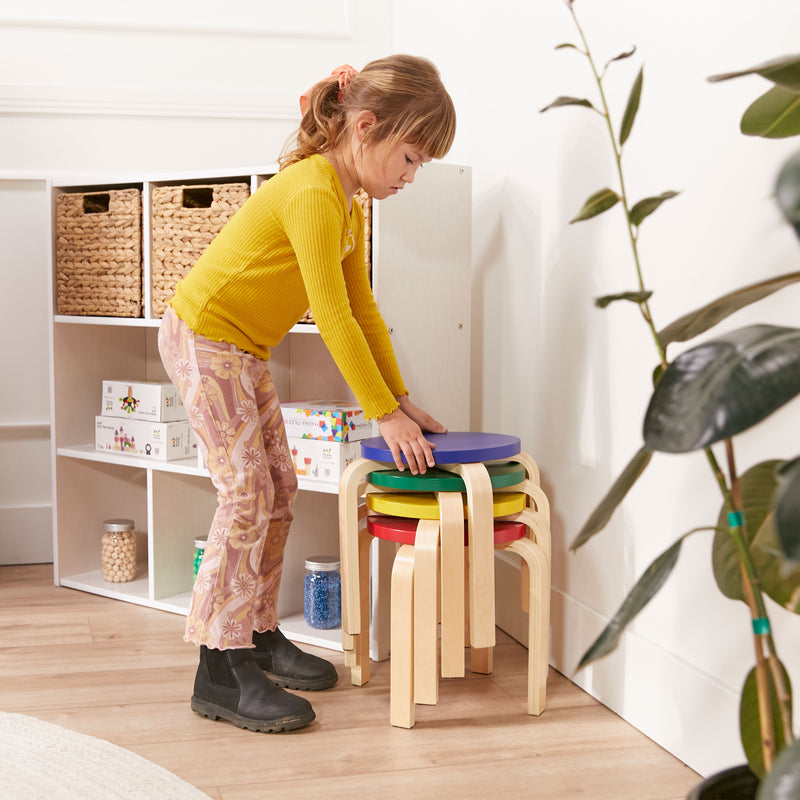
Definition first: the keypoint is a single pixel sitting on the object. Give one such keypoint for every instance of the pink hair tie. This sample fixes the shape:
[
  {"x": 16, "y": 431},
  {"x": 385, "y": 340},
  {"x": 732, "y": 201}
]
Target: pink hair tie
[{"x": 343, "y": 75}]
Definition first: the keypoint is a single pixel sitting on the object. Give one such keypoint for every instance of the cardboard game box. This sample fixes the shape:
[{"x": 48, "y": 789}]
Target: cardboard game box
[
  {"x": 161, "y": 441},
  {"x": 322, "y": 461},
  {"x": 327, "y": 421},
  {"x": 155, "y": 401}
]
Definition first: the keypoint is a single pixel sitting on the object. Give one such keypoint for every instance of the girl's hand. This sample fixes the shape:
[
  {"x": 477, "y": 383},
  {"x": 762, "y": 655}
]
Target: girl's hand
[{"x": 403, "y": 430}]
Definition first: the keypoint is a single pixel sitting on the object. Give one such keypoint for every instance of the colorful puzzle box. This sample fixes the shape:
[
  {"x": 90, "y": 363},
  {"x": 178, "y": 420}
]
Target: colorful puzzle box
[{"x": 326, "y": 421}]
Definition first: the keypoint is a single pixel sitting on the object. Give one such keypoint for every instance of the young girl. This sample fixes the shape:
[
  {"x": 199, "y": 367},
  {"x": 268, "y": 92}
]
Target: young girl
[{"x": 298, "y": 242}]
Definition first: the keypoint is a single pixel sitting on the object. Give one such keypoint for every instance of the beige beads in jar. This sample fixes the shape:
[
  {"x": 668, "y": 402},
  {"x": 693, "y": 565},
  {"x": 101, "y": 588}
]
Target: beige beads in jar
[{"x": 118, "y": 551}]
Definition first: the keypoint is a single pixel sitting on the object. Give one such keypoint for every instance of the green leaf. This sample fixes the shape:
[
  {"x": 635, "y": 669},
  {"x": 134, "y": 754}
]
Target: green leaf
[
  {"x": 568, "y": 45},
  {"x": 644, "y": 208},
  {"x": 787, "y": 509},
  {"x": 784, "y": 71},
  {"x": 783, "y": 780},
  {"x": 568, "y": 101},
  {"x": 774, "y": 115},
  {"x": 616, "y": 494},
  {"x": 645, "y": 589},
  {"x": 723, "y": 387},
  {"x": 598, "y": 203},
  {"x": 620, "y": 57},
  {"x": 750, "y": 722},
  {"x": 779, "y": 578},
  {"x": 631, "y": 108},
  {"x": 700, "y": 320},
  {"x": 633, "y": 297},
  {"x": 787, "y": 191}
]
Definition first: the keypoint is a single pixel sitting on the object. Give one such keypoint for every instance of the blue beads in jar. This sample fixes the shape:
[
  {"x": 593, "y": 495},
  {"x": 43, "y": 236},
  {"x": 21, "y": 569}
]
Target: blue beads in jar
[{"x": 322, "y": 594}]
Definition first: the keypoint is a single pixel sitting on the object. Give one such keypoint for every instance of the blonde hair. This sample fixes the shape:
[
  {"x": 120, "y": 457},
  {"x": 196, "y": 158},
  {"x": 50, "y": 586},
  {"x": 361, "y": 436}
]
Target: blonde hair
[{"x": 404, "y": 92}]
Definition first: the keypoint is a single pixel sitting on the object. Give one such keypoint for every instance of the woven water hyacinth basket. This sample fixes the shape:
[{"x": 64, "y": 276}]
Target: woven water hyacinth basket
[
  {"x": 185, "y": 221},
  {"x": 99, "y": 253},
  {"x": 365, "y": 201}
]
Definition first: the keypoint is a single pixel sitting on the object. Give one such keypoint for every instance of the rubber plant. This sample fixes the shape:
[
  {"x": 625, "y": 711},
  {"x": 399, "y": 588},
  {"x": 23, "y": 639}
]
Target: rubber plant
[{"x": 704, "y": 398}]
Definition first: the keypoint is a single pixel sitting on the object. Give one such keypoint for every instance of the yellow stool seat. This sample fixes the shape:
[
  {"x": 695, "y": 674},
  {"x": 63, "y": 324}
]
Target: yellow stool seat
[{"x": 419, "y": 505}]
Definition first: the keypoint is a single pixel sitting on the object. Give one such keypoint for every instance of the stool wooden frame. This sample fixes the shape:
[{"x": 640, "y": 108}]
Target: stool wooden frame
[
  {"x": 444, "y": 538},
  {"x": 415, "y": 581}
]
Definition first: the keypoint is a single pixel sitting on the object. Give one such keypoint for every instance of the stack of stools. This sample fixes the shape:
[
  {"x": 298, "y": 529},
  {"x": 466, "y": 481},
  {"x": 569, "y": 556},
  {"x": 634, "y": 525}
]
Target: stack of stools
[{"x": 483, "y": 495}]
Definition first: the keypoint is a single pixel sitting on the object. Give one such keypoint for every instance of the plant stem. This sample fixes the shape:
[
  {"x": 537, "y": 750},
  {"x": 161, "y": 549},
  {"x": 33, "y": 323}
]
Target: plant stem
[
  {"x": 751, "y": 585},
  {"x": 644, "y": 305}
]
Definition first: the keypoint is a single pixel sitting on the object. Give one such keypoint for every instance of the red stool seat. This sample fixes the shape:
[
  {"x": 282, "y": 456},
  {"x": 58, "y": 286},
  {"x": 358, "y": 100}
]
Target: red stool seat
[{"x": 404, "y": 530}]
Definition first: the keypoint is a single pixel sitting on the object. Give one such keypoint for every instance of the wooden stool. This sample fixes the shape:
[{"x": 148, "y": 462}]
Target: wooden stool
[
  {"x": 414, "y": 635},
  {"x": 448, "y": 488},
  {"x": 477, "y": 476},
  {"x": 467, "y": 452}
]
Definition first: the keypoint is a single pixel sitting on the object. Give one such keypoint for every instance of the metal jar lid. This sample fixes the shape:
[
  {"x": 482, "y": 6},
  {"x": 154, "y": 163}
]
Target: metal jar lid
[
  {"x": 118, "y": 525},
  {"x": 323, "y": 563},
  {"x": 200, "y": 543}
]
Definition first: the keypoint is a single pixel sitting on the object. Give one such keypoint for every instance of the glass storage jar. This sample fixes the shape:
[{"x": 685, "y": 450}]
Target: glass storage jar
[
  {"x": 322, "y": 594},
  {"x": 118, "y": 557}
]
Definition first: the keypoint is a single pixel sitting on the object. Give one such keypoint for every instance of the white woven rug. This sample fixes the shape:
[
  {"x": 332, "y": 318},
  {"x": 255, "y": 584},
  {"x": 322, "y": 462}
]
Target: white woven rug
[{"x": 41, "y": 761}]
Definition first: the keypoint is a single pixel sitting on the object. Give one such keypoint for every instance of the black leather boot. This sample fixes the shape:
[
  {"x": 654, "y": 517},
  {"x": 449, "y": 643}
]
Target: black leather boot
[
  {"x": 230, "y": 685},
  {"x": 289, "y": 666}
]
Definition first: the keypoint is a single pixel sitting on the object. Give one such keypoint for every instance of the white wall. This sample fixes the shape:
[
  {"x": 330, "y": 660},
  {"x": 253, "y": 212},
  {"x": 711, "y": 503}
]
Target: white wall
[
  {"x": 201, "y": 85},
  {"x": 572, "y": 380},
  {"x": 93, "y": 89}
]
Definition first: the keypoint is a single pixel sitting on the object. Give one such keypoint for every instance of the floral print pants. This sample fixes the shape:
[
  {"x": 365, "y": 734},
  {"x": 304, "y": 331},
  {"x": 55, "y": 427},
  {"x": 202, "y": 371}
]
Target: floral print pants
[{"x": 236, "y": 416}]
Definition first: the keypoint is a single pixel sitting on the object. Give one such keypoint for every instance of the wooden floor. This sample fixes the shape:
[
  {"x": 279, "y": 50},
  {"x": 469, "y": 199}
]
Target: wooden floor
[{"x": 122, "y": 673}]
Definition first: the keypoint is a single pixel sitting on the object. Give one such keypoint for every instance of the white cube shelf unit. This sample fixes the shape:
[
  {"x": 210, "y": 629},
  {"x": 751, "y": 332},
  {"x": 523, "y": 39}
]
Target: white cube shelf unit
[{"x": 421, "y": 257}]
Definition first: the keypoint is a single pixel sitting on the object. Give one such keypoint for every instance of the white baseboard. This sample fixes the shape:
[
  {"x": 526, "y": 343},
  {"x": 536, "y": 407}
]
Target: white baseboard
[
  {"x": 687, "y": 712},
  {"x": 26, "y": 535}
]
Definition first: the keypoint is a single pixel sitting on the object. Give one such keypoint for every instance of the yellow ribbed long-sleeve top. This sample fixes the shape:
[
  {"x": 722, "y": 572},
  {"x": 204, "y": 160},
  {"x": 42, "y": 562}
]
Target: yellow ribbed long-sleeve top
[{"x": 295, "y": 245}]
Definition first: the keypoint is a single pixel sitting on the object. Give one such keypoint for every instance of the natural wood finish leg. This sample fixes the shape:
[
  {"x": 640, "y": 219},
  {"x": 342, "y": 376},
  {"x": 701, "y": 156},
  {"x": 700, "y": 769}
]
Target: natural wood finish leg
[
  {"x": 537, "y": 498},
  {"x": 538, "y": 621},
  {"x": 425, "y": 626},
  {"x": 359, "y": 668},
  {"x": 401, "y": 665},
  {"x": 349, "y": 491},
  {"x": 481, "y": 553},
  {"x": 481, "y": 659},
  {"x": 531, "y": 467},
  {"x": 539, "y": 531},
  {"x": 451, "y": 517}
]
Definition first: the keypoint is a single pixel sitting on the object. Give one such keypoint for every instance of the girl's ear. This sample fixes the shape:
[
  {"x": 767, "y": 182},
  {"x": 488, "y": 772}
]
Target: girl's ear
[{"x": 363, "y": 122}]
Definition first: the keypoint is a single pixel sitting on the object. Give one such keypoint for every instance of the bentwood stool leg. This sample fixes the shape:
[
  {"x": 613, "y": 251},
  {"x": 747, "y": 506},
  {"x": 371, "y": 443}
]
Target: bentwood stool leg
[
  {"x": 537, "y": 497},
  {"x": 540, "y": 532},
  {"x": 451, "y": 519},
  {"x": 481, "y": 659},
  {"x": 536, "y": 596},
  {"x": 531, "y": 467},
  {"x": 349, "y": 492},
  {"x": 481, "y": 553},
  {"x": 401, "y": 664},
  {"x": 358, "y": 658},
  {"x": 426, "y": 584}
]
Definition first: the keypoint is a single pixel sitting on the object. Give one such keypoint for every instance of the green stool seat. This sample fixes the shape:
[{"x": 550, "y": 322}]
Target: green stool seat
[{"x": 439, "y": 480}]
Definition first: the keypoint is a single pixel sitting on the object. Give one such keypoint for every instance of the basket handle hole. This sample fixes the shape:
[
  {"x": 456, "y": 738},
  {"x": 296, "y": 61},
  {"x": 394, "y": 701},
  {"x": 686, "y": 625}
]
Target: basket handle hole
[
  {"x": 96, "y": 203},
  {"x": 198, "y": 197}
]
